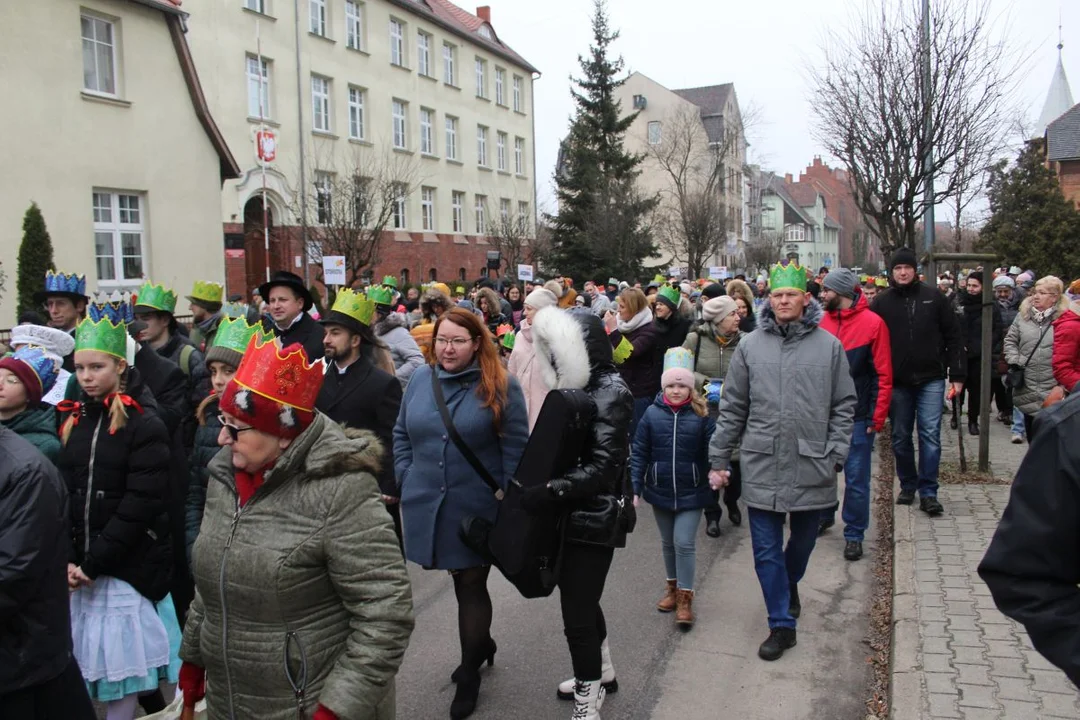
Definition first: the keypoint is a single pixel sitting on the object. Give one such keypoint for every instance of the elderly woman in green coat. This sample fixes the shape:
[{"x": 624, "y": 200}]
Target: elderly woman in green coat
[{"x": 303, "y": 607}]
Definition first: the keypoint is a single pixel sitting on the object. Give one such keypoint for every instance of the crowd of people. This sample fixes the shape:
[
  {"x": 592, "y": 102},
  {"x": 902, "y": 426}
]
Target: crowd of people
[{"x": 230, "y": 505}]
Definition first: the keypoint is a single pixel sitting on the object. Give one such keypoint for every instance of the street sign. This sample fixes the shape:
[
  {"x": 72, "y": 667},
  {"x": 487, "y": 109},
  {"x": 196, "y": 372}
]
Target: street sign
[
  {"x": 525, "y": 272},
  {"x": 265, "y": 146},
  {"x": 333, "y": 269},
  {"x": 717, "y": 272}
]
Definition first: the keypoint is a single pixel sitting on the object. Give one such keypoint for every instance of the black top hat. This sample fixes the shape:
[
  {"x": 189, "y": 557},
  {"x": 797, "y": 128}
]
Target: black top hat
[
  {"x": 335, "y": 317},
  {"x": 284, "y": 278}
]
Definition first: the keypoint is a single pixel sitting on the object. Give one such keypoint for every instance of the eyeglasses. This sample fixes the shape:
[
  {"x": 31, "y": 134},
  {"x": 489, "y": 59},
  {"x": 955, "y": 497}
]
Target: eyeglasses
[
  {"x": 234, "y": 431},
  {"x": 457, "y": 343},
  {"x": 1045, "y": 292}
]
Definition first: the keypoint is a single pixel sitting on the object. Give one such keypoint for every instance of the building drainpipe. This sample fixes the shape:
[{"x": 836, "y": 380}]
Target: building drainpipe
[
  {"x": 300, "y": 145},
  {"x": 536, "y": 177}
]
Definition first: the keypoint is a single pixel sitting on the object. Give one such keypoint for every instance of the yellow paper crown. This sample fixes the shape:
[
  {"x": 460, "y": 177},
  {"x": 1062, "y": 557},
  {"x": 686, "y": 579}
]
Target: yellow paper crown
[
  {"x": 210, "y": 292},
  {"x": 355, "y": 305}
]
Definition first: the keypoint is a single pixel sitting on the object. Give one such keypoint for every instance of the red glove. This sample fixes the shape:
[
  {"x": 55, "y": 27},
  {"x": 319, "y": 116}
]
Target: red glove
[
  {"x": 192, "y": 683},
  {"x": 321, "y": 713}
]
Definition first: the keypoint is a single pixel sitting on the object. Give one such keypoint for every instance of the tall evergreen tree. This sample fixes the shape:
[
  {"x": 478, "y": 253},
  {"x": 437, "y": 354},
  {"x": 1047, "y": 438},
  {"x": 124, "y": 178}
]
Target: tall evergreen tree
[
  {"x": 35, "y": 257},
  {"x": 601, "y": 229},
  {"x": 1031, "y": 223}
]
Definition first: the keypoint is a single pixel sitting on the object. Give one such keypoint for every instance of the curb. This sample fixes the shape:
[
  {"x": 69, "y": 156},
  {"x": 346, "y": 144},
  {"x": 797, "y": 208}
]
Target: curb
[{"x": 906, "y": 674}]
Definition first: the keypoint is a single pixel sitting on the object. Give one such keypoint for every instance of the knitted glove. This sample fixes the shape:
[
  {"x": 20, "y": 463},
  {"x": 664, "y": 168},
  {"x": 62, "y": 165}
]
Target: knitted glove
[{"x": 192, "y": 683}]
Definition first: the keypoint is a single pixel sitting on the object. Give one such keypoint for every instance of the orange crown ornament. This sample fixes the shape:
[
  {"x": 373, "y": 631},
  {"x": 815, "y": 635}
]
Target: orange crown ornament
[{"x": 274, "y": 390}]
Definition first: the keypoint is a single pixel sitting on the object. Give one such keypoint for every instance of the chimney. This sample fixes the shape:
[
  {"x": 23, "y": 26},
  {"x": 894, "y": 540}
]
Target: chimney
[
  {"x": 787, "y": 178},
  {"x": 484, "y": 13}
]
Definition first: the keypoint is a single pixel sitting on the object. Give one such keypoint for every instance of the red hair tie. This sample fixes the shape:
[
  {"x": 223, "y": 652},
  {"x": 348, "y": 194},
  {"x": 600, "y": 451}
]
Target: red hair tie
[
  {"x": 70, "y": 406},
  {"x": 126, "y": 400}
]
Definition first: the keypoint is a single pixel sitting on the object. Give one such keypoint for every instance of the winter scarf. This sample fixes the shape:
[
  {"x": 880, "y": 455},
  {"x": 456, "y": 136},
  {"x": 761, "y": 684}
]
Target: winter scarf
[{"x": 642, "y": 318}]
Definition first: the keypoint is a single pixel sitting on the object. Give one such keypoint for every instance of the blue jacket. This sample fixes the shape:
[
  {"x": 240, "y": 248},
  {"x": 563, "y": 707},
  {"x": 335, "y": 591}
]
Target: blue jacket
[
  {"x": 439, "y": 488},
  {"x": 669, "y": 463}
]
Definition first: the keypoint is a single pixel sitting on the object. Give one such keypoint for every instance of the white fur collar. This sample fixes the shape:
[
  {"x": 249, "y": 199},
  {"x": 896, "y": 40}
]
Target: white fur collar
[{"x": 560, "y": 349}]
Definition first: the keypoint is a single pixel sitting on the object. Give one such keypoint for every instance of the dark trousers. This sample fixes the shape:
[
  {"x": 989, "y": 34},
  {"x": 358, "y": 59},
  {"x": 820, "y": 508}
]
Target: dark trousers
[
  {"x": 1029, "y": 426},
  {"x": 1000, "y": 394},
  {"x": 581, "y": 584},
  {"x": 62, "y": 698},
  {"x": 732, "y": 493}
]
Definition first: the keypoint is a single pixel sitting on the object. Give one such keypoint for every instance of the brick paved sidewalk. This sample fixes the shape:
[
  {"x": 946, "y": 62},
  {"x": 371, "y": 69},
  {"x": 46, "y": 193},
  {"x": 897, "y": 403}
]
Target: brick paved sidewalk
[{"x": 954, "y": 654}]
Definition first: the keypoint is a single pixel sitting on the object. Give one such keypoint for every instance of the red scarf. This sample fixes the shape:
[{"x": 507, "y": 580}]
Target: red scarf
[
  {"x": 680, "y": 406},
  {"x": 247, "y": 483}
]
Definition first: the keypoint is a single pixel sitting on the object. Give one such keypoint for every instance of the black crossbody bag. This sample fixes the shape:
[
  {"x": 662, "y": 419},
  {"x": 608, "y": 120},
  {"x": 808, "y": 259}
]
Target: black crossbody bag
[
  {"x": 464, "y": 449},
  {"x": 1014, "y": 378}
]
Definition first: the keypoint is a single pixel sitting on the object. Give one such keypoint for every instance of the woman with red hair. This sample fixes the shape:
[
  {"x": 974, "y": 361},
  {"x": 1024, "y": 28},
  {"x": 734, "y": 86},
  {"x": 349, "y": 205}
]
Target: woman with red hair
[{"x": 440, "y": 487}]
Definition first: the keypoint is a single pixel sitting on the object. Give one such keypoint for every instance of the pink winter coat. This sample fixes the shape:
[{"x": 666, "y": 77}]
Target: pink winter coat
[{"x": 524, "y": 367}]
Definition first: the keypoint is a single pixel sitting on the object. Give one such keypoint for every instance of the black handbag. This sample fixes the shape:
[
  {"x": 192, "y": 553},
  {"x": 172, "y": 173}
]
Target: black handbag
[
  {"x": 606, "y": 519},
  {"x": 1014, "y": 378}
]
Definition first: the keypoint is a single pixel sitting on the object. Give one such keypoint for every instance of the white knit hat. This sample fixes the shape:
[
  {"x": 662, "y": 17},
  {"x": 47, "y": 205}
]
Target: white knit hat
[
  {"x": 718, "y": 308},
  {"x": 541, "y": 298}
]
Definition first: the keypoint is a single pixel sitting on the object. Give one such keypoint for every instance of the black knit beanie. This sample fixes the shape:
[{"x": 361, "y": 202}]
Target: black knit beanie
[{"x": 904, "y": 256}]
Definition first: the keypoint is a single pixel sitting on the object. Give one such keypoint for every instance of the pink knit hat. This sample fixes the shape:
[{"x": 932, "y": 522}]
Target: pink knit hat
[{"x": 678, "y": 368}]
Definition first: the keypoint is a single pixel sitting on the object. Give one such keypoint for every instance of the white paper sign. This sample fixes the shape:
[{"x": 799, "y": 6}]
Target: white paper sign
[
  {"x": 525, "y": 272},
  {"x": 717, "y": 272},
  {"x": 333, "y": 269},
  {"x": 675, "y": 272}
]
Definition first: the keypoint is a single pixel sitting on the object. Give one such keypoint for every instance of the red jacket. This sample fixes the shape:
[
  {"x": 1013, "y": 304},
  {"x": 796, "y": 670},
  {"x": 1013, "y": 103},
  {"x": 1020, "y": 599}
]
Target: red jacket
[
  {"x": 866, "y": 341},
  {"x": 1066, "y": 360}
]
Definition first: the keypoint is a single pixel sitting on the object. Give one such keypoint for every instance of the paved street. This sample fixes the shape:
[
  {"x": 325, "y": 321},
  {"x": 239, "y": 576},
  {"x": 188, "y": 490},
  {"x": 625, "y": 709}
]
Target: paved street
[
  {"x": 955, "y": 655},
  {"x": 713, "y": 671}
]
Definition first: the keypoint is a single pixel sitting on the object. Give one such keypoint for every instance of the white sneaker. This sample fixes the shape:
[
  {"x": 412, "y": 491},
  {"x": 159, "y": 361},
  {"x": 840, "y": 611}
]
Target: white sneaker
[
  {"x": 607, "y": 676},
  {"x": 588, "y": 696},
  {"x": 1017, "y": 438}
]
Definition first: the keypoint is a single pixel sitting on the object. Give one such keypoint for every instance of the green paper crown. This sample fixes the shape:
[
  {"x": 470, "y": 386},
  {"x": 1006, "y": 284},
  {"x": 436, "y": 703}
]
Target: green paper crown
[
  {"x": 235, "y": 334},
  {"x": 659, "y": 279},
  {"x": 102, "y": 336},
  {"x": 459, "y": 290},
  {"x": 157, "y": 297},
  {"x": 355, "y": 305},
  {"x": 508, "y": 340},
  {"x": 380, "y": 295},
  {"x": 671, "y": 294},
  {"x": 390, "y": 281},
  {"x": 791, "y": 276},
  {"x": 210, "y": 292}
]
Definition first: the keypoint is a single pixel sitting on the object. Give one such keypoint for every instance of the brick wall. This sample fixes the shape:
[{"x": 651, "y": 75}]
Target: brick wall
[{"x": 1069, "y": 180}]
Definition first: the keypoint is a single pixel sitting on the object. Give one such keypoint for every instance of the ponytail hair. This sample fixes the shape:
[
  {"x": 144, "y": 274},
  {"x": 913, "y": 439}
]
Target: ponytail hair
[
  {"x": 698, "y": 404},
  {"x": 118, "y": 416}
]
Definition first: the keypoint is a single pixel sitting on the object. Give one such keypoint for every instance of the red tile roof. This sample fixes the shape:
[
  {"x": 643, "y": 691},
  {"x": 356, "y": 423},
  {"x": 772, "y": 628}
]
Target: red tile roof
[
  {"x": 802, "y": 193},
  {"x": 465, "y": 24}
]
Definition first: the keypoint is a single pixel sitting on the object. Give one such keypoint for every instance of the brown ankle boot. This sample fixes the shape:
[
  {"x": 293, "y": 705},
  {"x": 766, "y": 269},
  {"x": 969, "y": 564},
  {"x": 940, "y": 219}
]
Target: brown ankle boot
[
  {"x": 684, "y": 609},
  {"x": 667, "y": 603}
]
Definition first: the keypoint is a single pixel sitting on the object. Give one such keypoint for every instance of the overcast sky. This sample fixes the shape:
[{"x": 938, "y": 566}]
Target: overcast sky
[{"x": 762, "y": 47}]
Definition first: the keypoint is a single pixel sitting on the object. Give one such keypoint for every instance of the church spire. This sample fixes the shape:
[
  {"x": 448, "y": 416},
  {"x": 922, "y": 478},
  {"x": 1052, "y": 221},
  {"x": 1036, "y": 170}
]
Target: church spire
[{"x": 1059, "y": 99}]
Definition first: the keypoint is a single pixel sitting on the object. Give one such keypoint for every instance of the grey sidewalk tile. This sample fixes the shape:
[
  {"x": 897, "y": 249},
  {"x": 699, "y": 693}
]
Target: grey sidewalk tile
[
  {"x": 1009, "y": 668},
  {"x": 943, "y": 706},
  {"x": 967, "y": 638},
  {"x": 1009, "y": 688},
  {"x": 977, "y": 696},
  {"x": 1016, "y": 710},
  {"x": 1003, "y": 649},
  {"x": 1060, "y": 704},
  {"x": 937, "y": 662},
  {"x": 969, "y": 656},
  {"x": 973, "y": 675}
]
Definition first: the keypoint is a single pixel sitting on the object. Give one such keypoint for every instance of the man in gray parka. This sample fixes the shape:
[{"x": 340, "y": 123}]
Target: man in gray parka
[{"x": 787, "y": 404}]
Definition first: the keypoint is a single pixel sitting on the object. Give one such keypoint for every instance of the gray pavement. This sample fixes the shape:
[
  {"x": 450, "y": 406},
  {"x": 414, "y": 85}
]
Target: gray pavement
[
  {"x": 712, "y": 671},
  {"x": 955, "y": 655}
]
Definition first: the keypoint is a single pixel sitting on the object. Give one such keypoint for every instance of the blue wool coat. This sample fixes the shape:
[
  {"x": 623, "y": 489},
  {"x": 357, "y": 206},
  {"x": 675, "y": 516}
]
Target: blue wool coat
[
  {"x": 439, "y": 488},
  {"x": 669, "y": 464}
]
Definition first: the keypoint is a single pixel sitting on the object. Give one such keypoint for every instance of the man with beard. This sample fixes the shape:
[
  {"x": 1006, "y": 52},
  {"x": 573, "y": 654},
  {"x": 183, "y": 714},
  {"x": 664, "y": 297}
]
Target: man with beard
[
  {"x": 205, "y": 306},
  {"x": 355, "y": 392},
  {"x": 926, "y": 342},
  {"x": 866, "y": 343}
]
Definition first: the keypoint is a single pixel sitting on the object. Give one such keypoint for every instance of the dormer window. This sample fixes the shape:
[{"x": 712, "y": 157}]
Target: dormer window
[{"x": 485, "y": 32}]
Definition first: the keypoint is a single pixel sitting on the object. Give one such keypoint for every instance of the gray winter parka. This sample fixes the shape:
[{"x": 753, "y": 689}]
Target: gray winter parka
[
  {"x": 789, "y": 395},
  {"x": 304, "y": 579},
  {"x": 394, "y": 331},
  {"x": 1020, "y": 342}
]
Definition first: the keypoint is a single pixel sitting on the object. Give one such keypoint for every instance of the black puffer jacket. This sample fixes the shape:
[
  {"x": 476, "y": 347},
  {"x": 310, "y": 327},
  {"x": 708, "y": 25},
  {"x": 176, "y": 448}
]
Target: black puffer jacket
[
  {"x": 574, "y": 351},
  {"x": 206, "y": 447},
  {"x": 119, "y": 487},
  {"x": 925, "y": 334},
  {"x": 35, "y": 627}
]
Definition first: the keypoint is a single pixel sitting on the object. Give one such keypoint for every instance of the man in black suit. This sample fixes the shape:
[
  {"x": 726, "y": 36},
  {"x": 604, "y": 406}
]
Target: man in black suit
[
  {"x": 288, "y": 302},
  {"x": 355, "y": 392}
]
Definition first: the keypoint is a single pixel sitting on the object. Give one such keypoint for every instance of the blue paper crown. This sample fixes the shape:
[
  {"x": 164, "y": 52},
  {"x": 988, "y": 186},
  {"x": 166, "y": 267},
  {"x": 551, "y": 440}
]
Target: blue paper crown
[
  {"x": 116, "y": 308},
  {"x": 64, "y": 283},
  {"x": 678, "y": 357},
  {"x": 43, "y": 366}
]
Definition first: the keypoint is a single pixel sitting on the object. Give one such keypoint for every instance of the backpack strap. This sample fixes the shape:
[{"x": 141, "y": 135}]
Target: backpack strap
[{"x": 185, "y": 359}]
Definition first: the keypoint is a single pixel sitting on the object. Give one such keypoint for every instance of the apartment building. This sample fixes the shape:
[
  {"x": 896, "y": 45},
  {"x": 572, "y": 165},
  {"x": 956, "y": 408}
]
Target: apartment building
[
  {"x": 700, "y": 130},
  {"x": 800, "y": 215},
  {"x": 107, "y": 129},
  {"x": 420, "y": 95}
]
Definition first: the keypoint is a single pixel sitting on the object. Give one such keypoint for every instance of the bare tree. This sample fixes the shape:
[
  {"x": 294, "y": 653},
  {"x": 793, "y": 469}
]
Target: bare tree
[
  {"x": 764, "y": 250},
  {"x": 511, "y": 233},
  {"x": 693, "y": 218},
  {"x": 352, "y": 202},
  {"x": 872, "y": 105}
]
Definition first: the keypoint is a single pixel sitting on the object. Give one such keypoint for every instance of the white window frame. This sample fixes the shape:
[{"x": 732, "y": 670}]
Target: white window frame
[
  {"x": 399, "y": 111},
  {"x": 481, "y": 146},
  {"x": 481, "y": 78},
  {"x": 427, "y": 208},
  {"x": 500, "y": 150},
  {"x": 481, "y": 214},
  {"x": 320, "y": 103},
  {"x": 500, "y": 82},
  {"x": 317, "y": 17},
  {"x": 258, "y": 6},
  {"x": 504, "y": 212},
  {"x": 457, "y": 207},
  {"x": 354, "y": 25},
  {"x": 523, "y": 217},
  {"x": 357, "y": 125},
  {"x": 449, "y": 55},
  {"x": 423, "y": 53},
  {"x": 397, "y": 42},
  {"x": 518, "y": 83},
  {"x": 655, "y": 132},
  {"x": 323, "y": 185},
  {"x": 97, "y": 45},
  {"x": 252, "y": 72},
  {"x": 427, "y": 131},
  {"x": 519, "y": 155},
  {"x": 400, "y": 218},
  {"x": 119, "y": 223},
  {"x": 451, "y": 137}
]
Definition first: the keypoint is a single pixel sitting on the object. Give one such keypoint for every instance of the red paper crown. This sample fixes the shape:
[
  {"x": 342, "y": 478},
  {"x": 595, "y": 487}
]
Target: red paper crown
[{"x": 284, "y": 377}]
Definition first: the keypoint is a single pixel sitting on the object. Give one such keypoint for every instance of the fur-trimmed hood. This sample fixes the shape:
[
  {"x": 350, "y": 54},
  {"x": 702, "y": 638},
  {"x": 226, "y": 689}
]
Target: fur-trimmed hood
[
  {"x": 1059, "y": 309},
  {"x": 571, "y": 347},
  {"x": 388, "y": 323},
  {"x": 810, "y": 320},
  {"x": 327, "y": 449}
]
